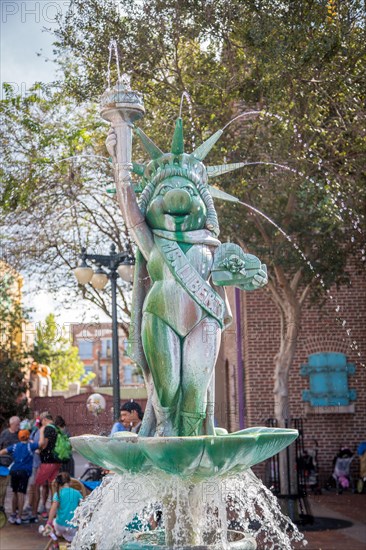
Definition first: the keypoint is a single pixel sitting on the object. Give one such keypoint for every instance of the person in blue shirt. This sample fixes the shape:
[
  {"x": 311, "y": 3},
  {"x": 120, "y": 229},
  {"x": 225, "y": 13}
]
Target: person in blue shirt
[
  {"x": 130, "y": 419},
  {"x": 64, "y": 503},
  {"x": 34, "y": 437},
  {"x": 20, "y": 472},
  {"x": 118, "y": 426}
]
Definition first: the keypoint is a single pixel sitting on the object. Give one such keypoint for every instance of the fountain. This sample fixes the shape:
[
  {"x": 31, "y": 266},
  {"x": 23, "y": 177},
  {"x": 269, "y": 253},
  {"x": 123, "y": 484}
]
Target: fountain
[{"x": 197, "y": 475}]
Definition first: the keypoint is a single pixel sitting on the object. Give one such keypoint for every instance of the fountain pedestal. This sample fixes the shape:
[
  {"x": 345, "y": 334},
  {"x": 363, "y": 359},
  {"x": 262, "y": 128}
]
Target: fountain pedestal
[{"x": 187, "y": 477}]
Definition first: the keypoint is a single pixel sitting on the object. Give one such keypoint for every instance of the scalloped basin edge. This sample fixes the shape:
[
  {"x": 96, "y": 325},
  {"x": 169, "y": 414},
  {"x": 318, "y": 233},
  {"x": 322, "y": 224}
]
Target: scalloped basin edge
[{"x": 193, "y": 457}]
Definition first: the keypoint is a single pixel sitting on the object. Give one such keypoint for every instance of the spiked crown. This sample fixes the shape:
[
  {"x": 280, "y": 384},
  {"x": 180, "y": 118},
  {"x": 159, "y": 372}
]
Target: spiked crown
[{"x": 179, "y": 163}]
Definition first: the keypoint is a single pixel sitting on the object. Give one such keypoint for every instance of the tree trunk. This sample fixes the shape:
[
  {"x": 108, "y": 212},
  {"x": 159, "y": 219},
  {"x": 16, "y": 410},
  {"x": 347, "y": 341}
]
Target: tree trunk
[{"x": 290, "y": 327}]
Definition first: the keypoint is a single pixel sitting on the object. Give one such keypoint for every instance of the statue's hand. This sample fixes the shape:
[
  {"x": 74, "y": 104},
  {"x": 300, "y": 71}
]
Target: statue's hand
[
  {"x": 256, "y": 280},
  {"x": 261, "y": 278},
  {"x": 111, "y": 144}
]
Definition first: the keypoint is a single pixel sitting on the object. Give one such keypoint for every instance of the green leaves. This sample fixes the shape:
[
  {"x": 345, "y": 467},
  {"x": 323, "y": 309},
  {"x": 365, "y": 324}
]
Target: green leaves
[
  {"x": 304, "y": 72},
  {"x": 54, "y": 349},
  {"x": 12, "y": 353}
]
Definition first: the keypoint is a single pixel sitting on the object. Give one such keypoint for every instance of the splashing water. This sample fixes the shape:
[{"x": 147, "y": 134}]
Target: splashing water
[
  {"x": 185, "y": 95},
  {"x": 249, "y": 113},
  {"x": 113, "y": 47},
  {"x": 208, "y": 509},
  {"x": 336, "y": 196},
  {"x": 353, "y": 343}
]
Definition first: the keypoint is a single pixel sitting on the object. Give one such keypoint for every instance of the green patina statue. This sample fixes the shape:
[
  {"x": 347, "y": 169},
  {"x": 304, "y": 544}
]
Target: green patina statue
[
  {"x": 179, "y": 307},
  {"x": 179, "y": 310}
]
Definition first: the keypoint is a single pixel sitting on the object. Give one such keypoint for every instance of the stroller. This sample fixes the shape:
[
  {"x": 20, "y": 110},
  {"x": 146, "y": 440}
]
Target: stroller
[
  {"x": 307, "y": 470},
  {"x": 342, "y": 470},
  {"x": 92, "y": 473},
  {"x": 92, "y": 476}
]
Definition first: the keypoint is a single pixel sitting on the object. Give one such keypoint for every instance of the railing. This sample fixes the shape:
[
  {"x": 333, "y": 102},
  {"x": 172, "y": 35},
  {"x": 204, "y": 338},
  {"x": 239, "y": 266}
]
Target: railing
[{"x": 273, "y": 479}]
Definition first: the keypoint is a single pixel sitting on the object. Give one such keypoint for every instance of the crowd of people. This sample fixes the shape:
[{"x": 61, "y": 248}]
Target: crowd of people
[
  {"x": 36, "y": 458},
  {"x": 30, "y": 460}
]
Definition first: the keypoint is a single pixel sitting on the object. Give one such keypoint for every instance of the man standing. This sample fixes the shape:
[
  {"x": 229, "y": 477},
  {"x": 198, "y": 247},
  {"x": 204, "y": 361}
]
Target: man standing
[
  {"x": 50, "y": 465},
  {"x": 8, "y": 437},
  {"x": 131, "y": 416}
]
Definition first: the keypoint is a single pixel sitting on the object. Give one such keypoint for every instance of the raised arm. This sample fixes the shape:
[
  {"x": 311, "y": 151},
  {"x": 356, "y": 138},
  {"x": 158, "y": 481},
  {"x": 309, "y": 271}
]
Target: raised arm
[{"x": 134, "y": 220}]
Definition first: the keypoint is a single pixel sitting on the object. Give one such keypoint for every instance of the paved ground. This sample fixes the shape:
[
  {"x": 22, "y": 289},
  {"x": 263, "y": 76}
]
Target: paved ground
[
  {"x": 346, "y": 508},
  {"x": 347, "y": 511}
]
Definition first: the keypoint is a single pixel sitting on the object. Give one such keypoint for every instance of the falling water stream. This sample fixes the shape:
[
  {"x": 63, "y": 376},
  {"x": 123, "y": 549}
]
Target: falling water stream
[
  {"x": 113, "y": 47},
  {"x": 240, "y": 502},
  {"x": 335, "y": 198},
  {"x": 185, "y": 95},
  {"x": 355, "y": 220},
  {"x": 242, "y": 115},
  {"x": 353, "y": 345}
]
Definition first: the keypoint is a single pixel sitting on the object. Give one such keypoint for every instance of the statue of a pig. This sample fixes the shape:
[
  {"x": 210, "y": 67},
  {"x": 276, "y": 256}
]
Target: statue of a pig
[{"x": 179, "y": 308}]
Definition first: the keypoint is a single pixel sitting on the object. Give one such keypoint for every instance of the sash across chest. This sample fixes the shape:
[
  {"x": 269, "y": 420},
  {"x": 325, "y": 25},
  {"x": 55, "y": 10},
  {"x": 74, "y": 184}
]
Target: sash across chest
[{"x": 189, "y": 278}]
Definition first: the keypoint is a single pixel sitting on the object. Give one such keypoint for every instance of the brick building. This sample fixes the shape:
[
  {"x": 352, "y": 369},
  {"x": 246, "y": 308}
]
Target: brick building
[
  {"x": 338, "y": 327},
  {"x": 94, "y": 341}
]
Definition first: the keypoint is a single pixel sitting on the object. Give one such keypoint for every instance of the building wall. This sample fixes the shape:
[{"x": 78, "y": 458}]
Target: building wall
[
  {"x": 226, "y": 386},
  {"x": 16, "y": 340},
  {"x": 320, "y": 332},
  {"x": 94, "y": 341}
]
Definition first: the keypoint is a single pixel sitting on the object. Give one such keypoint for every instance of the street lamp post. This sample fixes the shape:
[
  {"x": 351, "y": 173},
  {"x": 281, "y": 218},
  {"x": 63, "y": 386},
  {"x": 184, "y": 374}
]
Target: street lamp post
[{"x": 118, "y": 264}]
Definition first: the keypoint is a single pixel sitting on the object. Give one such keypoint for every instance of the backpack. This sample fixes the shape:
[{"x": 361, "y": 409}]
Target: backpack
[{"x": 62, "y": 449}]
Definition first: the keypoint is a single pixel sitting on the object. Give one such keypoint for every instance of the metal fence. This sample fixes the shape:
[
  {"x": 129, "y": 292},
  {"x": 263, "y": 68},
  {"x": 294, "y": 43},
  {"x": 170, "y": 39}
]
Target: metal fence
[{"x": 303, "y": 479}]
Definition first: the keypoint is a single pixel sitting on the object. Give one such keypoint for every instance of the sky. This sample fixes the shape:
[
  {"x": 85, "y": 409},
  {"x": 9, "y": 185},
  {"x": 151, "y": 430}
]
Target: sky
[{"x": 22, "y": 37}]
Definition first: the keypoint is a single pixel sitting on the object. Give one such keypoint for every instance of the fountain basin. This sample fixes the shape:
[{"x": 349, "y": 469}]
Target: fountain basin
[{"x": 197, "y": 458}]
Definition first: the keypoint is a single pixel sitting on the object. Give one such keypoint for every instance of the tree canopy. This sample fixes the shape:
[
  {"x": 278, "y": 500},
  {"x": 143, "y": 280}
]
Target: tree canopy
[
  {"x": 52, "y": 348},
  {"x": 300, "y": 65},
  {"x": 13, "y": 355},
  {"x": 53, "y": 197}
]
